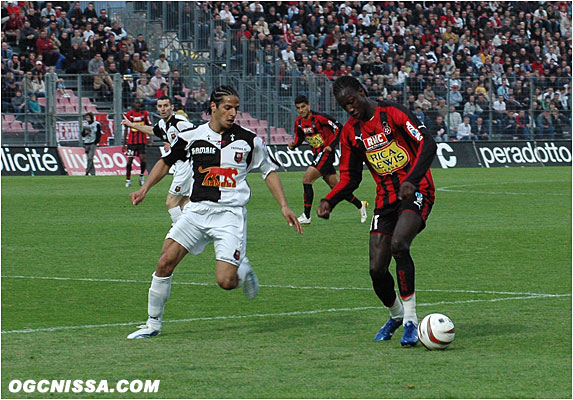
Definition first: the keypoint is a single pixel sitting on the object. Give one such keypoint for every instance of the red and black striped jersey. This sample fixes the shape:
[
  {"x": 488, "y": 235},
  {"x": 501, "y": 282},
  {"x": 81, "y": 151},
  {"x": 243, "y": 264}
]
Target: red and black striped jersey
[
  {"x": 395, "y": 146},
  {"x": 319, "y": 130},
  {"x": 139, "y": 118}
]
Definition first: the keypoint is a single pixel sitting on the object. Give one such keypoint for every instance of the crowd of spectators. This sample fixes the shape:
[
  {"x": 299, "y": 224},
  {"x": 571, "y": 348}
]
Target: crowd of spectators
[
  {"x": 462, "y": 67},
  {"x": 62, "y": 37},
  {"x": 476, "y": 56}
]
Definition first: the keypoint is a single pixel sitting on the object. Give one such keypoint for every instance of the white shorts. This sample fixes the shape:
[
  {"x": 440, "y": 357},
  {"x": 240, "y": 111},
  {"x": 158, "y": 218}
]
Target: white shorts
[
  {"x": 201, "y": 224},
  {"x": 181, "y": 185}
]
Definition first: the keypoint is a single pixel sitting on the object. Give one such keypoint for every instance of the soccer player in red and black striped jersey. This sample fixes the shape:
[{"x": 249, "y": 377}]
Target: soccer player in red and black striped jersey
[
  {"x": 134, "y": 141},
  {"x": 322, "y": 133},
  {"x": 398, "y": 150}
]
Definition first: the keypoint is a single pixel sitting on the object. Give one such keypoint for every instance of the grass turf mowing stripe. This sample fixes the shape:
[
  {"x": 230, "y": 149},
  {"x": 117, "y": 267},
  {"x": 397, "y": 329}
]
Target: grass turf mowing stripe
[{"x": 61, "y": 278}]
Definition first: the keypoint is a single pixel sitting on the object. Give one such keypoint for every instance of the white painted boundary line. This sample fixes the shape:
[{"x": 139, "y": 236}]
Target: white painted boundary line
[
  {"x": 451, "y": 188},
  {"x": 59, "y": 278},
  {"x": 282, "y": 314}
]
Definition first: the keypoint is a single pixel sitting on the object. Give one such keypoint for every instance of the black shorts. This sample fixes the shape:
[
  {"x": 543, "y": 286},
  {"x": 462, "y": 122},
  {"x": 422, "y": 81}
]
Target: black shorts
[
  {"x": 135, "y": 150},
  {"x": 384, "y": 219},
  {"x": 324, "y": 162}
]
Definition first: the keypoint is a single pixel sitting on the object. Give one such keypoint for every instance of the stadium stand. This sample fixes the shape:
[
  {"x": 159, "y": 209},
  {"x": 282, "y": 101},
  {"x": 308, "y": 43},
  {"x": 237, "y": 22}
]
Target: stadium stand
[{"x": 452, "y": 51}]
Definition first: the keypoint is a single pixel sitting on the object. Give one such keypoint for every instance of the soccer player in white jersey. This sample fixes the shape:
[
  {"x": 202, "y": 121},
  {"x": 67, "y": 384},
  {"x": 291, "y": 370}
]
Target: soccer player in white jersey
[
  {"x": 220, "y": 153},
  {"x": 167, "y": 129}
]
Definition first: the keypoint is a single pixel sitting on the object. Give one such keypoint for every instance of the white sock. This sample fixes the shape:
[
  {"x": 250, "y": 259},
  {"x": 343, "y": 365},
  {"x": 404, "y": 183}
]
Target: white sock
[
  {"x": 410, "y": 309},
  {"x": 175, "y": 213},
  {"x": 243, "y": 270},
  {"x": 158, "y": 295},
  {"x": 396, "y": 311}
]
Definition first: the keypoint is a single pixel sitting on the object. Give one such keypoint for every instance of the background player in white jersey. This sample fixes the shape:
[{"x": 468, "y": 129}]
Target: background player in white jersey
[
  {"x": 167, "y": 129},
  {"x": 220, "y": 155}
]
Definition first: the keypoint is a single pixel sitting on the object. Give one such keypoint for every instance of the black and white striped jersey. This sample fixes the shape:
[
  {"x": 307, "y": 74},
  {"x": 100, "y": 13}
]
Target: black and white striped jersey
[
  {"x": 168, "y": 131},
  {"x": 220, "y": 162}
]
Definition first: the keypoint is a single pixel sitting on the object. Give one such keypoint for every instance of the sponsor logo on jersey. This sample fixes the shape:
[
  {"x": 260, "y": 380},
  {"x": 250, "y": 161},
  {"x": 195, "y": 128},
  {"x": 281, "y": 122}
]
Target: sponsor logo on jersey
[
  {"x": 388, "y": 159},
  {"x": 315, "y": 140},
  {"x": 219, "y": 177},
  {"x": 414, "y": 131},
  {"x": 203, "y": 150},
  {"x": 239, "y": 156},
  {"x": 333, "y": 125},
  {"x": 375, "y": 141},
  {"x": 419, "y": 200}
]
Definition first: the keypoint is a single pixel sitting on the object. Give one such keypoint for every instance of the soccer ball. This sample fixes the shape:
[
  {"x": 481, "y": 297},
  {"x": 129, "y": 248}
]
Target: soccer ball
[{"x": 436, "y": 331}]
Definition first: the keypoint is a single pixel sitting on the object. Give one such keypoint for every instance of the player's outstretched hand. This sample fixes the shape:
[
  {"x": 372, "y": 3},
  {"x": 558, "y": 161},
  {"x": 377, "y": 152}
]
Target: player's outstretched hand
[
  {"x": 407, "y": 191},
  {"x": 137, "y": 197},
  {"x": 125, "y": 121},
  {"x": 324, "y": 209},
  {"x": 291, "y": 219}
]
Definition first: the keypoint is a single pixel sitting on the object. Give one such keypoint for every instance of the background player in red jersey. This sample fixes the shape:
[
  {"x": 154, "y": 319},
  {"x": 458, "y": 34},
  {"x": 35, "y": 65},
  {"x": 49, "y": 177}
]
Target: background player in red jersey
[
  {"x": 134, "y": 141},
  {"x": 398, "y": 150},
  {"x": 322, "y": 133}
]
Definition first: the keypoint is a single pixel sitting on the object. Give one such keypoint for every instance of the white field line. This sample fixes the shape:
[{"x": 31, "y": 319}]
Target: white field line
[
  {"x": 283, "y": 314},
  {"x": 452, "y": 188},
  {"x": 59, "y": 278}
]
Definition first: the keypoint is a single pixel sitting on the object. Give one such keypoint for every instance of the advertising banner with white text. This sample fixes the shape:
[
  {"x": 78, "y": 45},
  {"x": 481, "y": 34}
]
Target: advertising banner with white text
[
  {"x": 107, "y": 161},
  {"x": 30, "y": 161}
]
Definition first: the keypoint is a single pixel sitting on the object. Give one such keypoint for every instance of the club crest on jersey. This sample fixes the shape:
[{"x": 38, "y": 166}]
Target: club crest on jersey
[
  {"x": 387, "y": 129},
  {"x": 177, "y": 189},
  {"x": 219, "y": 177},
  {"x": 237, "y": 255},
  {"x": 414, "y": 131},
  {"x": 239, "y": 156},
  {"x": 173, "y": 136}
]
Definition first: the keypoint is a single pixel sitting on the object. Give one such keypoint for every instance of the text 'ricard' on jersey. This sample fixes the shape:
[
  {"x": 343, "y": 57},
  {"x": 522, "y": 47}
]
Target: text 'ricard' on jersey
[{"x": 220, "y": 162}]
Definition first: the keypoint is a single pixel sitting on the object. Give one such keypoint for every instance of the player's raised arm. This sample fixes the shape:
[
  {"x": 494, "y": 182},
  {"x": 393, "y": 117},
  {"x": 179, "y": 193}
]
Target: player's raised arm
[{"x": 147, "y": 129}]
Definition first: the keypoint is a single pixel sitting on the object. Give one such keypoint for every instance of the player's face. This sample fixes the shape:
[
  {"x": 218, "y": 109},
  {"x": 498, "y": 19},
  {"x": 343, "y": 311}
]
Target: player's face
[
  {"x": 164, "y": 108},
  {"x": 353, "y": 102},
  {"x": 303, "y": 109},
  {"x": 137, "y": 105},
  {"x": 226, "y": 112}
]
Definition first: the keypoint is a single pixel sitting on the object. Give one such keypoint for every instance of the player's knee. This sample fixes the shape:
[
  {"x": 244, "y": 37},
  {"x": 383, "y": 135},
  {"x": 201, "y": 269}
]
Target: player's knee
[
  {"x": 399, "y": 244},
  {"x": 377, "y": 269},
  {"x": 227, "y": 283},
  {"x": 165, "y": 265}
]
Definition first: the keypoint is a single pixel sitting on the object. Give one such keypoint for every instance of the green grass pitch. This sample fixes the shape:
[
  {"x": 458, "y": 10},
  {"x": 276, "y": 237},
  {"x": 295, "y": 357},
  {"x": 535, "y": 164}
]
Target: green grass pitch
[{"x": 77, "y": 259}]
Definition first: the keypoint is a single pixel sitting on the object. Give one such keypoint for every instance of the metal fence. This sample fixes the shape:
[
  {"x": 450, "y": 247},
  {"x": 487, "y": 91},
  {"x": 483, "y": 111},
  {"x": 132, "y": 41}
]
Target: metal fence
[{"x": 267, "y": 92}]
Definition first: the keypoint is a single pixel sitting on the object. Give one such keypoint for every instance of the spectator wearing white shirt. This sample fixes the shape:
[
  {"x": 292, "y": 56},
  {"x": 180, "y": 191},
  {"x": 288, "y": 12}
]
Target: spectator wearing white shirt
[
  {"x": 227, "y": 16},
  {"x": 369, "y": 7},
  {"x": 157, "y": 80},
  {"x": 453, "y": 121},
  {"x": 162, "y": 65},
  {"x": 465, "y": 130},
  {"x": 288, "y": 55},
  {"x": 88, "y": 32}
]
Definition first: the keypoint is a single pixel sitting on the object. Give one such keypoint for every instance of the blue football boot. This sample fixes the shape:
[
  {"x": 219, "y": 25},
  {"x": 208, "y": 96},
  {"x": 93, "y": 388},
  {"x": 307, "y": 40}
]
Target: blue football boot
[
  {"x": 410, "y": 336},
  {"x": 386, "y": 332}
]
